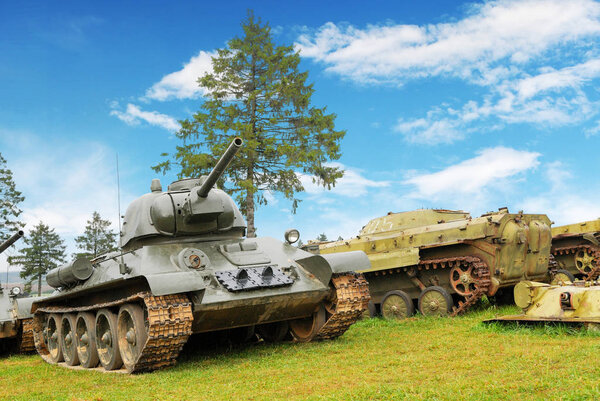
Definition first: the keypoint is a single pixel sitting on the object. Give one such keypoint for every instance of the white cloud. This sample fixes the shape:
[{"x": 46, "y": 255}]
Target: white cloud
[
  {"x": 473, "y": 175},
  {"x": 182, "y": 84},
  {"x": 352, "y": 184},
  {"x": 513, "y": 31},
  {"x": 429, "y": 130},
  {"x": 133, "y": 115}
]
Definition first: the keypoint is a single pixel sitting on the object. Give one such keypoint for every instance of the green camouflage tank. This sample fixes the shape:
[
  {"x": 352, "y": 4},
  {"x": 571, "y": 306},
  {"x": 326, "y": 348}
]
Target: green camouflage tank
[
  {"x": 186, "y": 267},
  {"x": 576, "y": 249},
  {"x": 443, "y": 261}
]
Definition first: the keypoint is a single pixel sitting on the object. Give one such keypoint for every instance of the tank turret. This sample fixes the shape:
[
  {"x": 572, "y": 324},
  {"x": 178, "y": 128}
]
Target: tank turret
[
  {"x": 190, "y": 207},
  {"x": 14, "y": 238}
]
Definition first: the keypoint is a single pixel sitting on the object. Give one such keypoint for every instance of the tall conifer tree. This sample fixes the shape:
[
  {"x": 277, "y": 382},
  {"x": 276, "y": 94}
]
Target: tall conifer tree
[
  {"x": 97, "y": 238},
  {"x": 9, "y": 202},
  {"x": 256, "y": 91}
]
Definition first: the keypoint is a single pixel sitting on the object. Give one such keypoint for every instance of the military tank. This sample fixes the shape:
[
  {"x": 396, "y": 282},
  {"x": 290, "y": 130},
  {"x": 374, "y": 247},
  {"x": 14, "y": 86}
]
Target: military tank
[
  {"x": 444, "y": 261},
  {"x": 16, "y": 328},
  {"x": 576, "y": 304},
  {"x": 184, "y": 266},
  {"x": 576, "y": 250}
]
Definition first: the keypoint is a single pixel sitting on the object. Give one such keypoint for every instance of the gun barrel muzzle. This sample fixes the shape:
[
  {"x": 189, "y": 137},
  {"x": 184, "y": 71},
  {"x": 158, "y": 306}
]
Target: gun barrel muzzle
[{"x": 220, "y": 167}]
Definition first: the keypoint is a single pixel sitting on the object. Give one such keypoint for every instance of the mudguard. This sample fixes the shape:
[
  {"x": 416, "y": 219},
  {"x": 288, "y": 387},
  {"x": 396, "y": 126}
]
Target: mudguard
[{"x": 323, "y": 266}]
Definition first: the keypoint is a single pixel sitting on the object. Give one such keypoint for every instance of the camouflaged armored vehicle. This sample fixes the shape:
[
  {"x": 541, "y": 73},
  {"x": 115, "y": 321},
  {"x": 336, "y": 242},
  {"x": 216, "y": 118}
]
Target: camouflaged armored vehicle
[
  {"x": 570, "y": 303},
  {"x": 16, "y": 329},
  {"x": 576, "y": 250},
  {"x": 185, "y": 267},
  {"x": 434, "y": 258}
]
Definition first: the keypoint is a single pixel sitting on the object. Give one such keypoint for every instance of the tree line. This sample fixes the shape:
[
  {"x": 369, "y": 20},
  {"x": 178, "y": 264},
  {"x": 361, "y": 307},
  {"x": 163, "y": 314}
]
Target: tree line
[{"x": 256, "y": 91}]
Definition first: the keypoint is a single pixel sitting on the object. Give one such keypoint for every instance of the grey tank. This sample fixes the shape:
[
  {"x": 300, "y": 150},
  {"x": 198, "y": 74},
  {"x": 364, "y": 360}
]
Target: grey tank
[
  {"x": 16, "y": 330},
  {"x": 185, "y": 266}
]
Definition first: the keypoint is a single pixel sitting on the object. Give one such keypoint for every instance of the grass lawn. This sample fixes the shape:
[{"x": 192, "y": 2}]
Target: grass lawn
[{"x": 417, "y": 359}]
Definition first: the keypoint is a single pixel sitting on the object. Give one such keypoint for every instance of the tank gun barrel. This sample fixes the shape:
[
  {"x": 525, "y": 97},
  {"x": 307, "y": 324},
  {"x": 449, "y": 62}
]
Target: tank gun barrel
[
  {"x": 14, "y": 238},
  {"x": 220, "y": 167}
]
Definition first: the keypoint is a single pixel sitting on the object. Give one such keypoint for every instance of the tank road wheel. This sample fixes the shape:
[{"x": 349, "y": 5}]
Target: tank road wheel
[
  {"x": 132, "y": 333},
  {"x": 67, "y": 339},
  {"x": 106, "y": 340},
  {"x": 397, "y": 305},
  {"x": 53, "y": 339},
  {"x": 584, "y": 260},
  {"x": 304, "y": 330},
  {"x": 435, "y": 301},
  {"x": 273, "y": 332},
  {"x": 562, "y": 276},
  {"x": 462, "y": 280},
  {"x": 85, "y": 339}
]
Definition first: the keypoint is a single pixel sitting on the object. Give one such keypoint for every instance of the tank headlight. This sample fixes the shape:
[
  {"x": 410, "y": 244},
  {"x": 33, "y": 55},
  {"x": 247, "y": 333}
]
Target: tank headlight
[
  {"x": 291, "y": 236},
  {"x": 15, "y": 291}
]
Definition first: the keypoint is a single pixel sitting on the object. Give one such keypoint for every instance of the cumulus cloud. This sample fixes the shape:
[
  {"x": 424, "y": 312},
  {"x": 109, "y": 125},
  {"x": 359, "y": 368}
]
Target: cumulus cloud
[
  {"x": 534, "y": 59},
  {"x": 516, "y": 31},
  {"x": 182, "y": 84},
  {"x": 133, "y": 115},
  {"x": 474, "y": 175}
]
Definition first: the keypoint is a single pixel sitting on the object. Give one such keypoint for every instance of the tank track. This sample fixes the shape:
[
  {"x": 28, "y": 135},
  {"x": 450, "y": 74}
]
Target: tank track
[
  {"x": 26, "y": 344},
  {"x": 594, "y": 250},
  {"x": 352, "y": 299},
  {"x": 480, "y": 275},
  {"x": 169, "y": 319}
]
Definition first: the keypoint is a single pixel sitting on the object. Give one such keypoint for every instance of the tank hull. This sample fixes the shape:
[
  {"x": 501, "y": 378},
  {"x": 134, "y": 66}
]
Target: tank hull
[
  {"x": 576, "y": 249},
  {"x": 465, "y": 257}
]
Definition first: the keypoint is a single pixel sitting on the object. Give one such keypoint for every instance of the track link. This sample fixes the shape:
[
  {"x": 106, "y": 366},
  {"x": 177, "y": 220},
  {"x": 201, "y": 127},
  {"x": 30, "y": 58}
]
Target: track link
[
  {"x": 572, "y": 250},
  {"x": 169, "y": 320},
  {"x": 351, "y": 300},
  {"x": 480, "y": 274},
  {"x": 27, "y": 344}
]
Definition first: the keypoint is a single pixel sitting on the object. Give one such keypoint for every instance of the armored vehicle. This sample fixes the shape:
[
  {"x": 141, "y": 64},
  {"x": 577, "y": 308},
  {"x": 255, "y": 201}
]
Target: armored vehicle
[
  {"x": 16, "y": 329},
  {"x": 184, "y": 266},
  {"x": 576, "y": 249},
  {"x": 571, "y": 303},
  {"x": 433, "y": 258}
]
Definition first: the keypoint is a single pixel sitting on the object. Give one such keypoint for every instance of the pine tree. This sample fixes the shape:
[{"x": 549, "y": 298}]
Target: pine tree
[
  {"x": 322, "y": 237},
  {"x": 9, "y": 201},
  {"x": 97, "y": 238},
  {"x": 256, "y": 92},
  {"x": 44, "y": 250}
]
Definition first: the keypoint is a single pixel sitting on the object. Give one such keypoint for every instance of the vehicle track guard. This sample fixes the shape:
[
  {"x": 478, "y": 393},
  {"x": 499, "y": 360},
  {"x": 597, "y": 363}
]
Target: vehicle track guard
[
  {"x": 175, "y": 283},
  {"x": 322, "y": 266}
]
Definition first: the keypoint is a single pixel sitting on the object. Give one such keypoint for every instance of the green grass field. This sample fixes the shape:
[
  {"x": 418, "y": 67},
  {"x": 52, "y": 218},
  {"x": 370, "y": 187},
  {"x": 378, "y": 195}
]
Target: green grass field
[{"x": 417, "y": 359}]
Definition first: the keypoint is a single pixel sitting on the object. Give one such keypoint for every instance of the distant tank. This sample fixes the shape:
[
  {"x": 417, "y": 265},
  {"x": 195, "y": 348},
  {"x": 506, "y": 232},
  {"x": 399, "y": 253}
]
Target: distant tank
[
  {"x": 16, "y": 328},
  {"x": 570, "y": 303},
  {"x": 576, "y": 249},
  {"x": 444, "y": 261},
  {"x": 185, "y": 267}
]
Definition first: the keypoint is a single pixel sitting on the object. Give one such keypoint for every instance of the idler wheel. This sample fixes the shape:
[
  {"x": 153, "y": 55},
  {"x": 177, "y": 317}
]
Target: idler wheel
[
  {"x": 53, "y": 338},
  {"x": 85, "y": 339},
  {"x": 435, "y": 301},
  {"x": 132, "y": 333},
  {"x": 304, "y": 330},
  {"x": 462, "y": 280},
  {"x": 584, "y": 260},
  {"x": 273, "y": 332},
  {"x": 562, "y": 276},
  {"x": 107, "y": 343},
  {"x": 67, "y": 339},
  {"x": 397, "y": 304}
]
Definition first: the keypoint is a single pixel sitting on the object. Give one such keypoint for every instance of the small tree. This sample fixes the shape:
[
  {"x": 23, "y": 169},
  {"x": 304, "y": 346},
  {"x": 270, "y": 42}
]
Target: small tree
[
  {"x": 97, "y": 238},
  {"x": 44, "y": 251},
  {"x": 322, "y": 237},
  {"x": 256, "y": 91},
  {"x": 9, "y": 201}
]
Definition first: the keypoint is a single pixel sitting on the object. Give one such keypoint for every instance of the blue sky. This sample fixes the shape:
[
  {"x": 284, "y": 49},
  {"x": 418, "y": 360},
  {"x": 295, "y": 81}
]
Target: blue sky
[{"x": 473, "y": 106}]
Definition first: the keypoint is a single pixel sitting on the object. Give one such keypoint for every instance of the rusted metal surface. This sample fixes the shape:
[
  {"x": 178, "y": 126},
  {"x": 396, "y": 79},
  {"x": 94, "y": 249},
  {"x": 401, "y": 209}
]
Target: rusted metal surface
[
  {"x": 351, "y": 300},
  {"x": 590, "y": 268},
  {"x": 27, "y": 344}
]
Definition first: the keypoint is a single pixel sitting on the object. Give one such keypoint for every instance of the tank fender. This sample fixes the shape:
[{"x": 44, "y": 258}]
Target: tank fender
[
  {"x": 591, "y": 238},
  {"x": 323, "y": 266},
  {"x": 24, "y": 306},
  {"x": 175, "y": 283}
]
